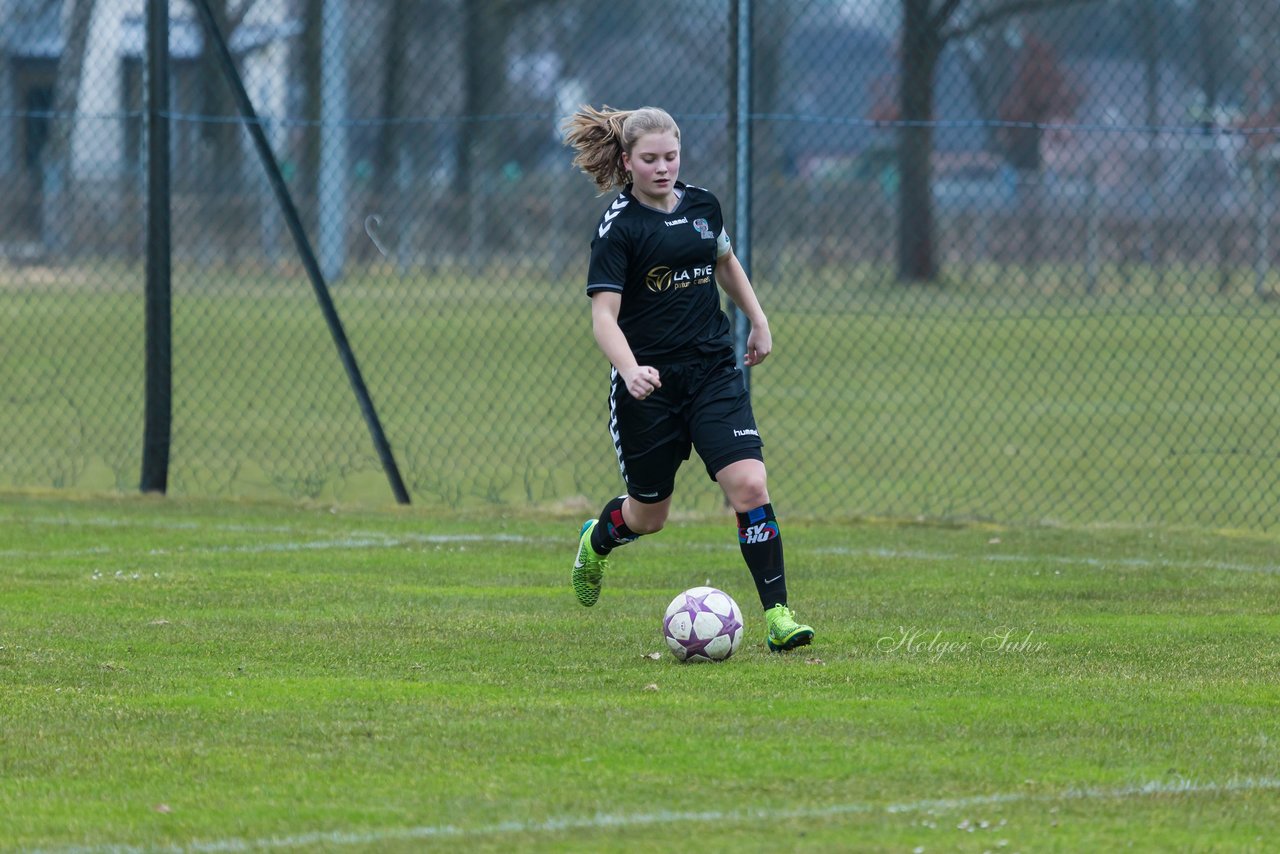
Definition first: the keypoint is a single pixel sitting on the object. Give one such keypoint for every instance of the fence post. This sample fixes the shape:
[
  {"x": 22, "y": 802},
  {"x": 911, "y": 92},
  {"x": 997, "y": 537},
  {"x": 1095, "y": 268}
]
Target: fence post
[
  {"x": 334, "y": 165},
  {"x": 1264, "y": 206},
  {"x": 158, "y": 409},
  {"x": 741, "y": 111},
  {"x": 1092, "y": 242}
]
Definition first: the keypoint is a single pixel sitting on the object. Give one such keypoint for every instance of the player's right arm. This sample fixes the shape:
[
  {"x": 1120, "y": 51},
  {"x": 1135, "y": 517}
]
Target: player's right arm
[{"x": 641, "y": 380}]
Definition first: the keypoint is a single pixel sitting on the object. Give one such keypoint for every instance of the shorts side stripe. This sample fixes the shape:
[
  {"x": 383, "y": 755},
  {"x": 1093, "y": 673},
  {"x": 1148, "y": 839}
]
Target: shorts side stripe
[{"x": 613, "y": 422}]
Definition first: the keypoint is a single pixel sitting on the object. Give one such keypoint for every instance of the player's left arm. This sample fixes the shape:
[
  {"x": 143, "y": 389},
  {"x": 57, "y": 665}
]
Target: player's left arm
[{"x": 734, "y": 282}]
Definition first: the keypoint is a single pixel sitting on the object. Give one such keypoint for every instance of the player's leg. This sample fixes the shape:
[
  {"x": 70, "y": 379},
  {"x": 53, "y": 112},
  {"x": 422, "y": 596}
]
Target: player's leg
[
  {"x": 760, "y": 540},
  {"x": 651, "y": 442},
  {"x": 745, "y": 486},
  {"x": 726, "y": 437},
  {"x": 623, "y": 520}
]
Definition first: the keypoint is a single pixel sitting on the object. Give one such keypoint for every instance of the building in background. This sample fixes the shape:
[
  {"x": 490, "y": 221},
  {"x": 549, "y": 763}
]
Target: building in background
[{"x": 105, "y": 142}]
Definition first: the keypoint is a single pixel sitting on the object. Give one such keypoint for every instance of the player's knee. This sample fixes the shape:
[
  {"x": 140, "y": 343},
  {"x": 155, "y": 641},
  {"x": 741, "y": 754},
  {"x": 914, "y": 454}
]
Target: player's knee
[
  {"x": 649, "y": 526},
  {"x": 644, "y": 517},
  {"x": 748, "y": 489},
  {"x": 752, "y": 493},
  {"x": 649, "y": 519}
]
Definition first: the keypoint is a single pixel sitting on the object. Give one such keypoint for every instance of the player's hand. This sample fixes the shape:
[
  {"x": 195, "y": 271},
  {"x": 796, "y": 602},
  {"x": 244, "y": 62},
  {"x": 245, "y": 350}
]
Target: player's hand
[
  {"x": 759, "y": 345},
  {"x": 642, "y": 381}
]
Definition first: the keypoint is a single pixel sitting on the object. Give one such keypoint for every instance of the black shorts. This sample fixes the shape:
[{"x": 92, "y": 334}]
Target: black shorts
[{"x": 702, "y": 404}]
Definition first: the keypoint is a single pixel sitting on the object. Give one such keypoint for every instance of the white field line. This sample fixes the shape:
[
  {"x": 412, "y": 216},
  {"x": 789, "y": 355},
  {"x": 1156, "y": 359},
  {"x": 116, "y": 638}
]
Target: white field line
[
  {"x": 610, "y": 821},
  {"x": 146, "y": 522},
  {"x": 375, "y": 540},
  {"x": 365, "y": 539},
  {"x": 324, "y": 541},
  {"x": 1056, "y": 560},
  {"x": 347, "y": 543}
]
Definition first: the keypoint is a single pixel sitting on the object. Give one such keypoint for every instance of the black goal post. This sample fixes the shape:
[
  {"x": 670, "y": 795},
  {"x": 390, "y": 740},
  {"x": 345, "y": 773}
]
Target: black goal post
[
  {"x": 158, "y": 409},
  {"x": 269, "y": 163}
]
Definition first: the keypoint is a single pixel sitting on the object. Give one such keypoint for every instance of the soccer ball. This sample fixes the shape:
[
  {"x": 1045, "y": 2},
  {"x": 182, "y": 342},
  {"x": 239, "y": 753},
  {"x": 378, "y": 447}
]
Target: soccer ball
[{"x": 702, "y": 624}]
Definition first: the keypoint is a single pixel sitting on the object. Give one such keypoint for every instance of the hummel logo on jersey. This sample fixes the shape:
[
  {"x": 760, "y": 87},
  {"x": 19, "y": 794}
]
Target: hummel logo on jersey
[
  {"x": 681, "y": 221},
  {"x": 611, "y": 214},
  {"x": 746, "y": 433},
  {"x": 758, "y": 533}
]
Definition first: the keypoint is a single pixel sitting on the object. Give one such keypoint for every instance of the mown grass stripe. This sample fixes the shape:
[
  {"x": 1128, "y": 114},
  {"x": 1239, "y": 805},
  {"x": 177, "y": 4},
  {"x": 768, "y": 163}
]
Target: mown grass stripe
[{"x": 363, "y": 540}]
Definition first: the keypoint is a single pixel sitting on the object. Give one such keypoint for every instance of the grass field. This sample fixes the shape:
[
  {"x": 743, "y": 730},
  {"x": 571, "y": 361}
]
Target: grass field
[{"x": 225, "y": 676}]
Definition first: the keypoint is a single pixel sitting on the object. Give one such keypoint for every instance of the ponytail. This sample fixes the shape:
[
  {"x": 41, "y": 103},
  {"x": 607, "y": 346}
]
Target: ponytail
[{"x": 600, "y": 137}]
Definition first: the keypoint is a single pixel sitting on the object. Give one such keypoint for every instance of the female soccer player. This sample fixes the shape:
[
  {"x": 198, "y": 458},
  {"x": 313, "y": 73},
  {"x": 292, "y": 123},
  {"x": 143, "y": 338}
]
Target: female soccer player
[{"x": 657, "y": 256}]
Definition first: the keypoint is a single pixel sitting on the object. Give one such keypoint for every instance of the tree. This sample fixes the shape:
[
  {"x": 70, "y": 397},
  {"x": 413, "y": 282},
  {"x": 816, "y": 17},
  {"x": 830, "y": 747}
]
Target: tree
[
  {"x": 56, "y": 203},
  {"x": 1213, "y": 54},
  {"x": 770, "y": 29},
  {"x": 393, "y": 94},
  {"x": 221, "y": 138},
  {"x": 989, "y": 59},
  {"x": 1040, "y": 93},
  {"x": 79, "y": 17},
  {"x": 486, "y": 28},
  {"x": 928, "y": 26},
  {"x": 1259, "y": 26},
  {"x": 310, "y": 62}
]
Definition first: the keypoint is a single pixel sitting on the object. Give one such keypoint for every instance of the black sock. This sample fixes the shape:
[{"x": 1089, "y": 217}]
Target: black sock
[
  {"x": 611, "y": 531},
  {"x": 761, "y": 544}
]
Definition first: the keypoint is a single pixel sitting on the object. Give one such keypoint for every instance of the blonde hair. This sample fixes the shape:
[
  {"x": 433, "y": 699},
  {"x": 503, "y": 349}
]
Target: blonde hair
[{"x": 601, "y": 137}]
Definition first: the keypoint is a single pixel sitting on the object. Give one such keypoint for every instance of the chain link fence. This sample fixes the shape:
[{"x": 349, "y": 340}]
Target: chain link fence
[{"x": 1018, "y": 265}]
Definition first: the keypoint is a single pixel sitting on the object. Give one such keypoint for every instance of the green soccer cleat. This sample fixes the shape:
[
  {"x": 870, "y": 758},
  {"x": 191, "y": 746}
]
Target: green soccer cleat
[
  {"x": 588, "y": 567},
  {"x": 784, "y": 632}
]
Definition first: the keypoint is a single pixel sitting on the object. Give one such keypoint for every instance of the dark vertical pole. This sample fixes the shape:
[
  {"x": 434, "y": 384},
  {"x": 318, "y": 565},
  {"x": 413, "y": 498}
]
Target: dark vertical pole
[
  {"x": 157, "y": 418},
  {"x": 308, "y": 256},
  {"x": 740, "y": 109}
]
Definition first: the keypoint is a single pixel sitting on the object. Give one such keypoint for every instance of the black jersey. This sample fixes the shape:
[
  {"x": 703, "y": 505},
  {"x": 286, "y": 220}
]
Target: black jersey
[{"x": 664, "y": 266}]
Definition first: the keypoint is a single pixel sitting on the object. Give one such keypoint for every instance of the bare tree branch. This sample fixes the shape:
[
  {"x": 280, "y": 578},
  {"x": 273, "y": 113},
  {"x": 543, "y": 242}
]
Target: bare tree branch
[
  {"x": 1000, "y": 13},
  {"x": 70, "y": 69}
]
